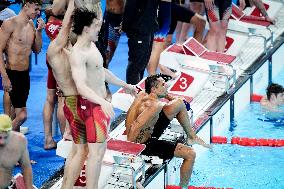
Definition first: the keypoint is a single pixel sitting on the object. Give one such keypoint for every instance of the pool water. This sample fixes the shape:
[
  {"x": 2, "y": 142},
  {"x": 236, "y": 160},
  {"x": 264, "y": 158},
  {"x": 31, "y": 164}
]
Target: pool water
[{"x": 240, "y": 167}]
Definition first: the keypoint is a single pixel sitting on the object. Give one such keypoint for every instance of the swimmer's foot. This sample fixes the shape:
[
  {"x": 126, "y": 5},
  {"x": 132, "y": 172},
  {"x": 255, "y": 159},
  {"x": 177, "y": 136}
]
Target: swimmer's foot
[{"x": 50, "y": 145}]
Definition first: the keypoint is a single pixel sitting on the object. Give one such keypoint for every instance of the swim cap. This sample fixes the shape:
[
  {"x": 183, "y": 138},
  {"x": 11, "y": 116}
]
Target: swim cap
[{"x": 5, "y": 123}]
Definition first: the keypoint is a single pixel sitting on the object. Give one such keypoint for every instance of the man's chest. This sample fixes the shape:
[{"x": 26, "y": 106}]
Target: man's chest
[
  {"x": 8, "y": 157},
  {"x": 24, "y": 35},
  {"x": 94, "y": 60}
]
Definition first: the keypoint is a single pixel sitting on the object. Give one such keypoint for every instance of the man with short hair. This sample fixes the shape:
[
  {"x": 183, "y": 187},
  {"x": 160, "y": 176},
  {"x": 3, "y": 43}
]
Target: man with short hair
[
  {"x": 148, "y": 117},
  {"x": 60, "y": 65},
  {"x": 90, "y": 76},
  {"x": 274, "y": 98},
  {"x": 13, "y": 149},
  {"x": 52, "y": 29},
  {"x": 5, "y": 13},
  {"x": 18, "y": 37}
]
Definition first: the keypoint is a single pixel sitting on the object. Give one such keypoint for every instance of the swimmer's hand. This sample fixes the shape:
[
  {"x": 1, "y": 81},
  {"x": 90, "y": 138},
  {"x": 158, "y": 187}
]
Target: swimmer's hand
[
  {"x": 130, "y": 89},
  {"x": 107, "y": 109},
  {"x": 199, "y": 141},
  {"x": 209, "y": 4},
  {"x": 40, "y": 24},
  {"x": 6, "y": 83}
]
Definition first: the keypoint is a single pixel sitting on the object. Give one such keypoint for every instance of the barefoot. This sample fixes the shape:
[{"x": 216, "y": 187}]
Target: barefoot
[{"x": 50, "y": 145}]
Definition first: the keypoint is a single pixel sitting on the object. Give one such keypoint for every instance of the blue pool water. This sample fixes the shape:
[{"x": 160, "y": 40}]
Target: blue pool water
[
  {"x": 239, "y": 167},
  {"x": 242, "y": 167}
]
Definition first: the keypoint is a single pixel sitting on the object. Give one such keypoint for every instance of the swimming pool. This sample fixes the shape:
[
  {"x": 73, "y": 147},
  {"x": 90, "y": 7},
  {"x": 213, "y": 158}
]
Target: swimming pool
[{"x": 241, "y": 167}]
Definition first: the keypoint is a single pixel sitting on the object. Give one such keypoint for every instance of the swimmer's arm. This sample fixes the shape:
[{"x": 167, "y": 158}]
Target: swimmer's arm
[
  {"x": 111, "y": 78},
  {"x": 79, "y": 75},
  {"x": 58, "y": 7},
  {"x": 62, "y": 38},
  {"x": 26, "y": 166},
  {"x": 140, "y": 122},
  {"x": 6, "y": 31},
  {"x": 38, "y": 36}
]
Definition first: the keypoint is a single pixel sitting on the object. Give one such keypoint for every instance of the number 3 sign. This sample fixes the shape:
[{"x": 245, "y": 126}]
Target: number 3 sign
[{"x": 182, "y": 83}]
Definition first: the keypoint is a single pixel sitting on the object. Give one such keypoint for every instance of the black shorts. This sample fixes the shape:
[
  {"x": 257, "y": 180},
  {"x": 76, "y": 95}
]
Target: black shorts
[
  {"x": 20, "y": 81},
  {"x": 222, "y": 10},
  {"x": 179, "y": 13},
  {"x": 155, "y": 147}
]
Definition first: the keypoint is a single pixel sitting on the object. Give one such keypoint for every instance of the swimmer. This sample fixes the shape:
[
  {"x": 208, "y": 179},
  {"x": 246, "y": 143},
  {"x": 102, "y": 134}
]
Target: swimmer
[
  {"x": 274, "y": 98},
  {"x": 52, "y": 28},
  {"x": 59, "y": 63},
  {"x": 218, "y": 14},
  {"x": 148, "y": 117},
  {"x": 5, "y": 13},
  {"x": 90, "y": 76},
  {"x": 159, "y": 42},
  {"x": 18, "y": 37},
  {"x": 196, "y": 6},
  {"x": 13, "y": 149},
  {"x": 111, "y": 29}
]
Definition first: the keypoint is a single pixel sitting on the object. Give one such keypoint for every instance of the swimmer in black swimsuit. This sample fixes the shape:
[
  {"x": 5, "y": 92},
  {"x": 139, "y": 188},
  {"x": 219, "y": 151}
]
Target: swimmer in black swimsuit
[{"x": 218, "y": 14}]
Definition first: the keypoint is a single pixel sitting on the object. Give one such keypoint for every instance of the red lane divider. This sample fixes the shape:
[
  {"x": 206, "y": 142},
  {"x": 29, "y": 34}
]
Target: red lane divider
[
  {"x": 194, "y": 187},
  {"x": 244, "y": 141},
  {"x": 219, "y": 140},
  {"x": 256, "y": 98}
]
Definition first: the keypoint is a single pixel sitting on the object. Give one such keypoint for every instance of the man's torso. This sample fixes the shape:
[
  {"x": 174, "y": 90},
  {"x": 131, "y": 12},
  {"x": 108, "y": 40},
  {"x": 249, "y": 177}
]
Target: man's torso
[
  {"x": 9, "y": 157},
  {"x": 19, "y": 45},
  {"x": 95, "y": 74},
  {"x": 143, "y": 104},
  {"x": 62, "y": 72}
]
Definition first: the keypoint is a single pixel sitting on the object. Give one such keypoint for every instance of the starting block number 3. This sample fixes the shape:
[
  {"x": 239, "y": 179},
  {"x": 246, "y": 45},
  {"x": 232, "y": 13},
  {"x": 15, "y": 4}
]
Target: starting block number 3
[{"x": 182, "y": 84}]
